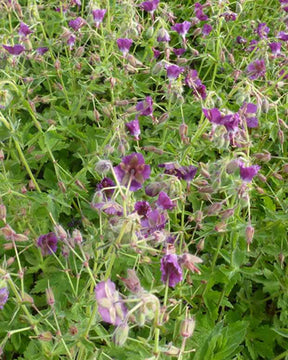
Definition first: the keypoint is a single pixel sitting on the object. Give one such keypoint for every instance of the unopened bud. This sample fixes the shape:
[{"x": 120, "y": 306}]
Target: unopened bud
[
  {"x": 163, "y": 118},
  {"x": 2, "y": 156},
  {"x": 60, "y": 232},
  {"x": 285, "y": 169},
  {"x": 96, "y": 115},
  {"x": 214, "y": 208},
  {"x": 187, "y": 327},
  {"x": 261, "y": 177},
  {"x": 8, "y": 232},
  {"x": 57, "y": 65},
  {"x": 157, "y": 68},
  {"x": 3, "y": 213},
  {"x": 46, "y": 336},
  {"x": 77, "y": 236},
  {"x": 10, "y": 261},
  {"x": 199, "y": 216},
  {"x": 265, "y": 157},
  {"x": 50, "y": 297},
  {"x": 132, "y": 282},
  {"x": 281, "y": 137},
  {"x": 200, "y": 245},
  {"x": 281, "y": 258},
  {"x": 220, "y": 227},
  {"x": 62, "y": 187},
  {"x": 20, "y": 238},
  {"x": 31, "y": 185},
  {"x": 232, "y": 166},
  {"x": 265, "y": 106},
  {"x": 283, "y": 124},
  {"x": 227, "y": 213},
  {"x": 197, "y": 32},
  {"x": 171, "y": 350},
  {"x": 73, "y": 330},
  {"x": 121, "y": 334},
  {"x": 113, "y": 82},
  {"x": 260, "y": 190},
  {"x": 103, "y": 166},
  {"x": 26, "y": 298},
  {"x": 80, "y": 185},
  {"x": 249, "y": 233},
  {"x": 80, "y": 51},
  {"x": 24, "y": 190}
]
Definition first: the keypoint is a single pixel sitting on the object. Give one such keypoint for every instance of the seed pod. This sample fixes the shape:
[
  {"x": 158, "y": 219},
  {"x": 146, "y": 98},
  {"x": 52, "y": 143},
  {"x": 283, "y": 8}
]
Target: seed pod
[{"x": 121, "y": 334}]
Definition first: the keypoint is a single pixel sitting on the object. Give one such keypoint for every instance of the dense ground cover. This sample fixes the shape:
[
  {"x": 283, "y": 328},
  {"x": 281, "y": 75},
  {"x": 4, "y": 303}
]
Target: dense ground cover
[{"x": 143, "y": 207}]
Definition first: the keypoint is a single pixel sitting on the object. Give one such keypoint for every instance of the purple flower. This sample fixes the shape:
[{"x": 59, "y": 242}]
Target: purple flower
[
  {"x": 179, "y": 52},
  {"x": 248, "y": 172},
  {"x": 163, "y": 35},
  {"x": 149, "y": 6},
  {"x": 171, "y": 270},
  {"x": 132, "y": 171},
  {"x": 156, "y": 53},
  {"x": 256, "y": 69},
  {"x": 71, "y": 41},
  {"x": 240, "y": 40},
  {"x": 206, "y": 29},
  {"x": 124, "y": 45},
  {"x": 192, "y": 80},
  {"x": 47, "y": 243},
  {"x": 98, "y": 16},
  {"x": 198, "y": 8},
  {"x": 231, "y": 122},
  {"x": 282, "y": 35},
  {"x": 110, "y": 304},
  {"x": 282, "y": 72},
  {"x": 182, "y": 28},
  {"x": 186, "y": 173},
  {"x": 109, "y": 208},
  {"x": 142, "y": 207},
  {"x": 105, "y": 185},
  {"x": 14, "y": 50},
  {"x": 275, "y": 48},
  {"x": 213, "y": 115},
  {"x": 252, "y": 45},
  {"x": 145, "y": 107},
  {"x": 42, "y": 50},
  {"x": 248, "y": 111},
  {"x": 4, "y": 293},
  {"x": 153, "y": 221},
  {"x": 134, "y": 128},
  {"x": 173, "y": 71},
  {"x": 24, "y": 30},
  {"x": 284, "y": 5},
  {"x": 77, "y": 23},
  {"x": 229, "y": 16},
  {"x": 76, "y": 2},
  {"x": 262, "y": 30},
  {"x": 164, "y": 202}
]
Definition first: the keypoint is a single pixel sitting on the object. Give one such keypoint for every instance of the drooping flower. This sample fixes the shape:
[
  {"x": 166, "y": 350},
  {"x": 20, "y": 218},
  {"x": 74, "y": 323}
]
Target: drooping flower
[
  {"x": 149, "y": 6},
  {"x": 105, "y": 186},
  {"x": 145, "y": 107},
  {"x": 173, "y": 71},
  {"x": 163, "y": 35},
  {"x": 248, "y": 111},
  {"x": 143, "y": 208},
  {"x": 188, "y": 261},
  {"x": 124, "y": 45},
  {"x": 248, "y": 172},
  {"x": 14, "y": 50},
  {"x": 164, "y": 202},
  {"x": 256, "y": 69},
  {"x": 134, "y": 128},
  {"x": 77, "y": 23},
  {"x": 42, "y": 50},
  {"x": 98, "y": 16},
  {"x": 182, "y": 28},
  {"x": 262, "y": 30},
  {"x": 132, "y": 171},
  {"x": 192, "y": 80},
  {"x": 198, "y": 8},
  {"x": 4, "y": 294},
  {"x": 275, "y": 48},
  {"x": 24, "y": 30},
  {"x": 171, "y": 270},
  {"x": 186, "y": 173},
  {"x": 206, "y": 29},
  {"x": 110, "y": 304},
  {"x": 282, "y": 35},
  {"x": 47, "y": 243}
]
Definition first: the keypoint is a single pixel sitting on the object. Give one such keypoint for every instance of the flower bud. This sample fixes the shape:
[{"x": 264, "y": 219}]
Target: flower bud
[
  {"x": 60, "y": 232},
  {"x": 26, "y": 298},
  {"x": 62, "y": 186},
  {"x": 2, "y": 156},
  {"x": 281, "y": 137},
  {"x": 103, "y": 167},
  {"x": 187, "y": 327},
  {"x": 57, "y": 65},
  {"x": 285, "y": 169},
  {"x": 46, "y": 336},
  {"x": 121, "y": 334},
  {"x": 171, "y": 350},
  {"x": 249, "y": 233},
  {"x": 265, "y": 156},
  {"x": 200, "y": 245},
  {"x": 3, "y": 213},
  {"x": 277, "y": 176},
  {"x": 132, "y": 282},
  {"x": 265, "y": 106},
  {"x": 50, "y": 297},
  {"x": 77, "y": 236}
]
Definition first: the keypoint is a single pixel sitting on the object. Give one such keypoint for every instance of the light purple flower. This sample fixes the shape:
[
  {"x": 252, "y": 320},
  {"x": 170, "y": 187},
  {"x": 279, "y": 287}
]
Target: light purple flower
[
  {"x": 229, "y": 16},
  {"x": 24, "y": 30},
  {"x": 164, "y": 202},
  {"x": 173, "y": 71},
  {"x": 262, "y": 30},
  {"x": 206, "y": 29},
  {"x": 134, "y": 128},
  {"x": 198, "y": 8},
  {"x": 105, "y": 185},
  {"x": 149, "y": 6},
  {"x": 71, "y": 41},
  {"x": 110, "y": 304},
  {"x": 14, "y": 50},
  {"x": 132, "y": 170},
  {"x": 213, "y": 115},
  {"x": 4, "y": 294},
  {"x": 252, "y": 45},
  {"x": 98, "y": 16},
  {"x": 76, "y": 2},
  {"x": 171, "y": 270},
  {"x": 231, "y": 122},
  {"x": 248, "y": 112},
  {"x": 154, "y": 220},
  {"x": 77, "y": 23},
  {"x": 124, "y": 45},
  {"x": 275, "y": 48},
  {"x": 47, "y": 243},
  {"x": 145, "y": 107},
  {"x": 143, "y": 208},
  {"x": 182, "y": 28},
  {"x": 248, "y": 172},
  {"x": 282, "y": 35},
  {"x": 256, "y": 69},
  {"x": 163, "y": 35},
  {"x": 156, "y": 53},
  {"x": 179, "y": 52},
  {"x": 42, "y": 50}
]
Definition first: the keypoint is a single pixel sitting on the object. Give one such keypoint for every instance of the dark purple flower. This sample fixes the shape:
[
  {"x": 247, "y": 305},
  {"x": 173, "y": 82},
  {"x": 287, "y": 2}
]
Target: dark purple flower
[
  {"x": 156, "y": 53},
  {"x": 213, "y": 115},
  {"x": 248, "y": 172},
  {"x": 77, "y": 23},
  {"x": 240, "y": 40},
  {"x": 262, "y": 30},
  {"x": 198, "y": 8},
  {"x": 256, "y": 69},
  {"x": 282, "y": 35},
  {"x": 149, "y": 6},
  {"x": 47, "y": 243},
  {"x": 98, "y": 16},
  {"x": 164, "y": 202},
  {"x": 248, "y": 112},
  {"x": 206, "y": 29},
  {"x": 284, "y": 5},
  {"x": 231, "y": 122},
  {"x": 14, "y": 50},
  {"x": 109, "y": 208},
  {"x": 173, "y": 71},
  {"x": 186, "y": 173},
  {"x": 182, "y": 28},
  {"x": 252, "y": 45},
  {"x": 179, "y": 52},
  {"x": 134, "y": 128},
  {"x": 142, "y": 207},
  {"x": 24, "y": 30},
  {"x": 4, "y": 293},
  {"x": 282, "y": 72},
  {"x": 275, "y": 48},
  {"x": 110, "y": 304},
  {"x": 105, "y": 186},
  {"x": 229, "y": 16},
  {"x": 153, "y": 221},
  {"x": 42, "y": 50},
  {"x": 163, "y": 35},
  {"x": 192, "y": 80},
  {"x": 145, "y": 107},
  {"x": 132, "y": 171},
  {"x": 171, "y": 270},
  {"x": 124, "y": 45}
]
